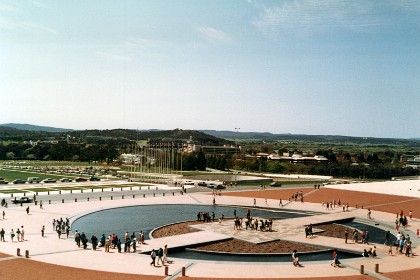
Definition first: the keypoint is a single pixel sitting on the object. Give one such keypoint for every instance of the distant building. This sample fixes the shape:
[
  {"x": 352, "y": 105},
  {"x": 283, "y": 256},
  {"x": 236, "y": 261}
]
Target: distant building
[
  {"x": 191, "y": 147},
  {"x": 414, "y": 163},
  {"x": 297, "y": 158}
]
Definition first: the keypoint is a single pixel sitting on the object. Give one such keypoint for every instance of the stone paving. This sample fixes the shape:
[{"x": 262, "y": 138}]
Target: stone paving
[{"x": 63, "y": 251}]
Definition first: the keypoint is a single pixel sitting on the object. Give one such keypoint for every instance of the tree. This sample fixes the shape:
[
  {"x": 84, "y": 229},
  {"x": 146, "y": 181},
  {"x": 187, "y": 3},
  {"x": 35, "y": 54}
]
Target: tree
[{"x": 10, "y": 155}]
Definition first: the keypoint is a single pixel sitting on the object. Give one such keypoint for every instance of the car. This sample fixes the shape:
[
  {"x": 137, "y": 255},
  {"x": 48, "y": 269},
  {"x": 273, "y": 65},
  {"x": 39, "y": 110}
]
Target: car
[
  {"x": 80, "y": 179},
  {"x": 33, "y": 180},
  {"x": 220, "y": 187},
  {"x": 94, "y": 178},
  {"x": 211, "y": 185},
  {"x": 23, "y": 199},
  {"x": 3, "y": 182},
  {"x": 188, "y": 182},
  {"x": 202, "y": 184},
  {"x": 276, "y": 184},
  {"x": 49, "y": 180},
  {"x": 18, "y": 181},
  {"x": 65, "y": 180}
]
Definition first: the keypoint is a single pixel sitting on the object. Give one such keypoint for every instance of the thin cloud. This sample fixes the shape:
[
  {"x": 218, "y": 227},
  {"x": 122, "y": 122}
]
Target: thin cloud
[
  {"x": 214, "y": 35},
  {"x": 140, "y": 42},
  {"x": 113, "y": 56},
  {"x": 8, "y": 21},
  {"x": 313, "y": 16},
  {"x": 19, "y": 26}
]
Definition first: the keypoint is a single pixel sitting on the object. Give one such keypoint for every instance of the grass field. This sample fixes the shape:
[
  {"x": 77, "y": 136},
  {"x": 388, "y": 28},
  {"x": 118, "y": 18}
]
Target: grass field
[
  {"x": 10, "y": 191},
  {"x": 12, "y": 174},
  {"x": 38, "y": 163}
]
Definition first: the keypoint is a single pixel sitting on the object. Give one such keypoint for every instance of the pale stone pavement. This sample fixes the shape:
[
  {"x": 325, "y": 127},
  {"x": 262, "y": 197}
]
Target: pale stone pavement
[{"x": 64, "y": 252}]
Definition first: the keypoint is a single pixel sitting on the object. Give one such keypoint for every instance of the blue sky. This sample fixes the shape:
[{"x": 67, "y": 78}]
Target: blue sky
[{"x": 307, "y": 67}]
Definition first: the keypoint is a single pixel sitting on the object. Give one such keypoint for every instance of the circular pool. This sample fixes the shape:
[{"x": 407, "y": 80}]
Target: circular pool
[{"x": 149, "y": 217}]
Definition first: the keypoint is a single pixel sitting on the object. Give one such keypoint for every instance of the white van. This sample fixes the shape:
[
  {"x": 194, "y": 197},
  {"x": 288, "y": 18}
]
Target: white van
[{"x": 33, "y": 180}]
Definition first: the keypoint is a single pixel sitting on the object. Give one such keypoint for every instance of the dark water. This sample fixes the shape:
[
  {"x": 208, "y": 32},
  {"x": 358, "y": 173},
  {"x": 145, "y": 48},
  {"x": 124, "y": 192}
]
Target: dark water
[
  {"x": 376, "y": 235},
  {"x": 316, "y": 256},
  {"x": 149, "y": 217}
]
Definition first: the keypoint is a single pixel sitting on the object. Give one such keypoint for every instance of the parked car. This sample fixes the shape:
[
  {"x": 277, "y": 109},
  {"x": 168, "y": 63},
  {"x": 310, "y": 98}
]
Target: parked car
[
  {"x": 65, "y": 180},
  {"x": 211, "y": 185},
  {"x": 202, "y": 184},
  {"x": 80, "y": 179},
  {"x": 18, "y": 181},
  {"x": 94, "y": 178},
  {"x": 33, "y": 180},
  {"x": 276, "y": 184},
  {"x": 220, "y": 187},
  {"x": 49, "y": 180},
  {"x": 188, "y": 182},
  {"x": 3, "y": 182},
  {"x": 23, "y": 199}
]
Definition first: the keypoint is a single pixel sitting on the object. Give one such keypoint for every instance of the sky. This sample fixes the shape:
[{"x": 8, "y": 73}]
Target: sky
[{"x": 327, "y": 67}]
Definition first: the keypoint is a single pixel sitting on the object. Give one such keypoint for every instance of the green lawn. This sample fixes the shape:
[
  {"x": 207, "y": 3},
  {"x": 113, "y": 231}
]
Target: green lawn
[
  {"x": 9, "y": 191},
  {"x": 12, "y": 174},
  {"x": 39, "y": 163}
]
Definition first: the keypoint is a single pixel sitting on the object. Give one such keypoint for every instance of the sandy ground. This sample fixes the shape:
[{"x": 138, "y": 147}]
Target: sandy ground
[{"x": 380, "y": 202}]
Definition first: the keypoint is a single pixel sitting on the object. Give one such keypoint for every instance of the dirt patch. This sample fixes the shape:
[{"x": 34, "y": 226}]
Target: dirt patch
[
  {"x": 333, "y": 230},
  {"x": 239, "y": 246},
  {"x": 176, "y": 229}
]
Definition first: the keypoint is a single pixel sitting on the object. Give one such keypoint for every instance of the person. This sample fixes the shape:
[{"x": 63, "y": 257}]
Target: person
[
  {"x": 165, "y": 254},
  {"x": 255, "y": 202},
  {"x": 22, "y": 234},
  {"x": 366, "y": 240},
  {"x": 408, "y": 250},
  {"x": 374, "y": 252},
  {"x": 336, "y": 262},
  {"x": 4, "y": 214},
  {"x": 153, "y": 256},
  {"x": 94, "y": 241},
  {"x": 141, "y": 237},
  {"x": 134, "y": 244},
  {"x": 387, "y": 237},
  {"x": 42, "y": 231},
  {"x": 346, "y": 235},
  {"x": 390, "y": 250},
  {"x": 59, "y": 232},
  {"x": 107, "y": 245},
  {"x": 27, "y": 210},
  {"x": 160, "y": 255},
  {"x": 40, "y": 205},
  {"x": 410, "y": 214},
  {"x": 12, "y": 234},
  {"x": 281, "y": 203},
  {"x": 369, "y": 213},
  {"x": 295, "y": 258},
  {"x": 18, "y": 234},
  {"x": 77, "y": 238},
  {"x": 365, "y": 253},
  {"x": 2, "y": 232},
  {"x": 119, "y": 245}
]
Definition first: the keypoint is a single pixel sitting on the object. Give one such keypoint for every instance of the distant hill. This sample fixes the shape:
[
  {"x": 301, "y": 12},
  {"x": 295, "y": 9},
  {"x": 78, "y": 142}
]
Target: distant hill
[
  {"x": 267, "y": 136},
  {"x": 31, "y": 127},
  {"x": 26, "y": 132}
]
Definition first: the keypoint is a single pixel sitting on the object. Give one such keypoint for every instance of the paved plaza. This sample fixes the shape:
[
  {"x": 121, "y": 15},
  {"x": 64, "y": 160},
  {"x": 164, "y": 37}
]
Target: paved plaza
[{"x": 64, "y": 252}]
